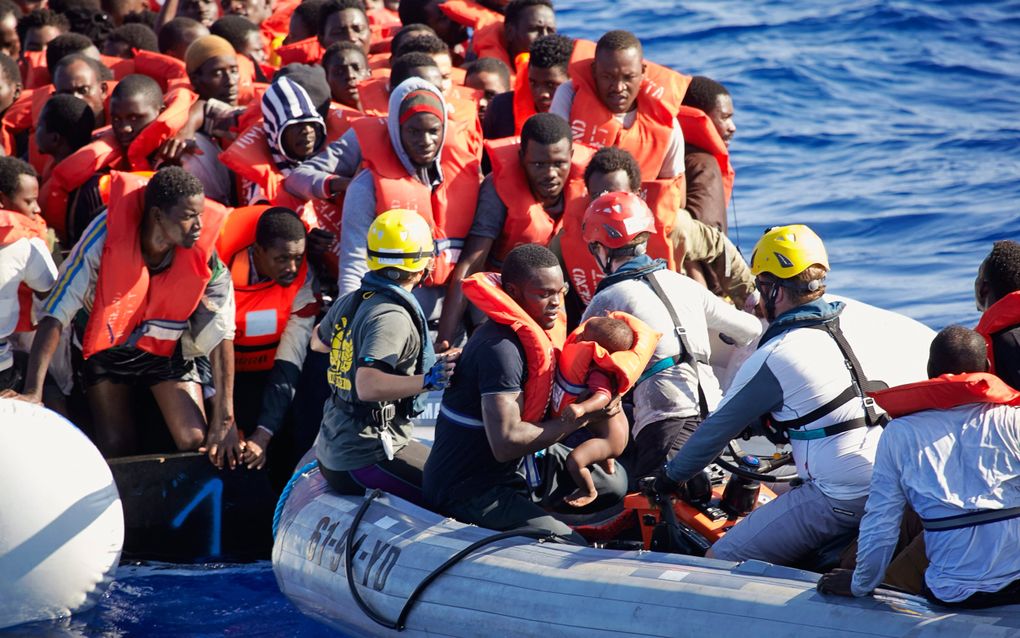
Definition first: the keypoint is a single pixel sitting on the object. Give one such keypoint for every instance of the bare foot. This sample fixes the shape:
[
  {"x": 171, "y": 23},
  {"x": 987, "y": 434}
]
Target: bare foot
[
  {"x": 609, "y": 465},
  {"x": 580, "y": 498}
]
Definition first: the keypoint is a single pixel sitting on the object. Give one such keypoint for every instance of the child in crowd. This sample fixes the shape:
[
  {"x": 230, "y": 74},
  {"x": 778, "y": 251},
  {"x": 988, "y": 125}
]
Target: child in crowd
[
  {"x": 604, "y": 357},
  {"x": 25, "y": 261}
]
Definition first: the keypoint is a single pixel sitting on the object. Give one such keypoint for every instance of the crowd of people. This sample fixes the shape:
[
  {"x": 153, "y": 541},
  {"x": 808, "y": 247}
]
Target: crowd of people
[{"x": 358, "y": 202}]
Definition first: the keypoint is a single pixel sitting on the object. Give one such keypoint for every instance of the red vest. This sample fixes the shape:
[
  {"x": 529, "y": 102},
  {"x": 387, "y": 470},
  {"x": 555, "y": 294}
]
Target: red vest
[
  {"x": 945, "y": 392},
  {"x": 1003, "y": 314},
  {"x": 263, "y": 309},
  {"x": 449, "y": 208},
  {"x": 104, "y": 152},
  {"x": 699, "y": 131},
  {"x": 526, "y": 219},
  {"x": 13, "y": 227},
  {"x": 625, "y": 367},
  {"x": 484, "y": 291},
  {"x": 149, "y": 312}
]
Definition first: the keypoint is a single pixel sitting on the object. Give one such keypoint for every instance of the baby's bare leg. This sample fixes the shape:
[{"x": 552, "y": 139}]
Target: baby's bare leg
[{"x": 609, "y": 442}]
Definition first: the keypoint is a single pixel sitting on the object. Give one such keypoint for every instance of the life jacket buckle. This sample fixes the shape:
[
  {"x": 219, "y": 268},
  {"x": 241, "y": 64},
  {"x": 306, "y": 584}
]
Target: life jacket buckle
[{"x": 384, "y": 415}]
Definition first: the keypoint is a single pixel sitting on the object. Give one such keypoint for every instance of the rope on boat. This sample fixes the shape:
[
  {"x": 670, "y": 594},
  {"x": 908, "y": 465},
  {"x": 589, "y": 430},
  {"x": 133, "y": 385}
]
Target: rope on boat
[
  {"x": 401, "y": 623},
  {"x": 287, "y": 489}
]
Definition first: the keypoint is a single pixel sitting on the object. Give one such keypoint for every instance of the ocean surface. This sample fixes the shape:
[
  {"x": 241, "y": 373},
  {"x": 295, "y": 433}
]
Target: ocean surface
[{"x": 892, "y": 128}]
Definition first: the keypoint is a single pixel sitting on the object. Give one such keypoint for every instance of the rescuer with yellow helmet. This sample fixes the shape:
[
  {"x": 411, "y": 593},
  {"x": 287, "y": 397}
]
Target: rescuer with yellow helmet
[
  {"x": 805, "y": 386},
  {"x": 381, "y": 365}
]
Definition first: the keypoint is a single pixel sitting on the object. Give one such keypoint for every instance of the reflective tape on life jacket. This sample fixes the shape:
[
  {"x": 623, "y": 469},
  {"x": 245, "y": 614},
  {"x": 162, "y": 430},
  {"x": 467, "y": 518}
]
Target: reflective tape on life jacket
[
  {"x": 485, "y": 292},
  {"x": 132, "y": 307},
  {"x": 648, "y": 139},
  {"x": 14, "y": 227},
  {"x": 526, "y": 220},
  {"x": 625, "y": 367},
  {"x": 449, "y": 208},
  {"x": 104, "y": 152},
  {"x": 699, "y": 131},
  {"x": 583, "y": 272},
  {"x": 946, "y": 392},
  {"x": 263, "y": 309},
  {"x": 1001, "y": 315}
]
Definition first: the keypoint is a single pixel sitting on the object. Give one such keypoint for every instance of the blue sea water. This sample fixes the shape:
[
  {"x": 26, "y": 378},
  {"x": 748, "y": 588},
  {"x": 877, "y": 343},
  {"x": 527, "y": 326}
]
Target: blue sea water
[{"x": 891, "y": 127}]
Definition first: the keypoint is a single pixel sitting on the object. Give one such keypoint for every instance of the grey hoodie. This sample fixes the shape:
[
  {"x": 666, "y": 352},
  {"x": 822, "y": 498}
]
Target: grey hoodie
[{"x": 360, "y": 201}]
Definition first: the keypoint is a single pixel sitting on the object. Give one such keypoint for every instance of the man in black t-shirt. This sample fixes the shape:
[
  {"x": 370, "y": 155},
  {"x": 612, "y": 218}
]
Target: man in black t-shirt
[{"x": 483, "y": 463}]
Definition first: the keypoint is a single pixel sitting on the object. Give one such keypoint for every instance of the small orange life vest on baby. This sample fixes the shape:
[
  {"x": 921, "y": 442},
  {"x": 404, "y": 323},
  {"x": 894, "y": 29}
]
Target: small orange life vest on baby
[
  {"x": 449, "y": 208},
  {"x": 625, "y": 366},
  {"x": 1003, "y": 314},
  {"x": 945, "y": 392},
  {"x": 648, "y": 139},
  {"x": 484, "y": 290},
  {"x": 699, "y": 131},
  {"x": 104, "y": 152},
  {"x": 263, "y": 309},
  {"x": 664, "y": 198},
  {"x": 15, "y": 226},
  {"x": 132, "y": 307},
  {"x": 526, "y": 219}
]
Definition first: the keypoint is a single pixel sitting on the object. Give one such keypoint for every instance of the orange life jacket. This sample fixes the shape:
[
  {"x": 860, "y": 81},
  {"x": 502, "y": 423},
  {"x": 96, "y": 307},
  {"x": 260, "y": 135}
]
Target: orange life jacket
[
  {"x": 29, "y": 63},
  {"x": 278, "y": 22},
  {"x": 449, "y": 208},
  {"x": 263, "y": 309},
  {"x": 149, "y": 312},
  {"x": 625, "y": 366},
  {"x": 1003, "y": 314},
  {"x": 524, "y": 101},
  {"x": 164, "y": 69},
  {"x": 664, "y": 197},
  {"x": 648, "y": 139},
  {"x": 13, "y": 227},
  {"x": 699, "y": 131},
  {"x": 250, "y": 158},
  {"x": 374, "y": 94},
  {"x": 307, "y": 51},
  {"x": 484, "y": 290},
  {"x": 526, "y": 219},
  {"x": 104, "y": 152},
  {"x": 489, "y": 42},
  {"x": 470, "y": 14},
  {"x": 945, "y": 392},
  {"x": 384, "y": 19}
]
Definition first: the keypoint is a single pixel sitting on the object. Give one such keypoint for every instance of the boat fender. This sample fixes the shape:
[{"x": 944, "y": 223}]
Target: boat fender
[{"x": 61, "y": 520}]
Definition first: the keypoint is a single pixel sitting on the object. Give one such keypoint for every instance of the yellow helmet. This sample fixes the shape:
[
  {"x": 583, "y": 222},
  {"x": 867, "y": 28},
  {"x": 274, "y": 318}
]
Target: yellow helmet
[
  {"x": 400, "y": 239},
  {"x": 787, "y": 251}
]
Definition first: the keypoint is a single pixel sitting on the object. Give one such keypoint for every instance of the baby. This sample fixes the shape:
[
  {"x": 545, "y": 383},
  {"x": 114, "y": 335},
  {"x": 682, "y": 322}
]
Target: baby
[{"x": 609, "y": 436}]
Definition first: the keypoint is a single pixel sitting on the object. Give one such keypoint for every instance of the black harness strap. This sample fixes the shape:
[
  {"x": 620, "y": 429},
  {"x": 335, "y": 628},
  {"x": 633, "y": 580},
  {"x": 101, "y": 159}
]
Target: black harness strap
[
  {"x": 686, "y": 353},
  {"x": 969, "y": 519}
]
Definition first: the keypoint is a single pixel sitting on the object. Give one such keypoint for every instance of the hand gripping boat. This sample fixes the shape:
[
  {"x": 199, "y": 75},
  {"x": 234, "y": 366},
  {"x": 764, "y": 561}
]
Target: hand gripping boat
[{"x": 381, "y": 566}]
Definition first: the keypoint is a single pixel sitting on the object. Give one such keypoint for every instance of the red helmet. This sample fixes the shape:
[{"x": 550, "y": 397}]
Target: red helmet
[{"x": 615, "y": 219}]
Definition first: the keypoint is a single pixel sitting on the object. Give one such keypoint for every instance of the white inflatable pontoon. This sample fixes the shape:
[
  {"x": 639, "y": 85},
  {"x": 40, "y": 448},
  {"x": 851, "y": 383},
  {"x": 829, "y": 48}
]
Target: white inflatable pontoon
[{"x": 520, "y": 587}]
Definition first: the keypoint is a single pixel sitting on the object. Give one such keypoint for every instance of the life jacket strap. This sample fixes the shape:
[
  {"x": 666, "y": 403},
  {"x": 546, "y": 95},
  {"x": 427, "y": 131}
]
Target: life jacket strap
[
  {"x": 832, "y": 430},
  {"x": 686, "y": 352},
  {"x": 969, "y": 519}
]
